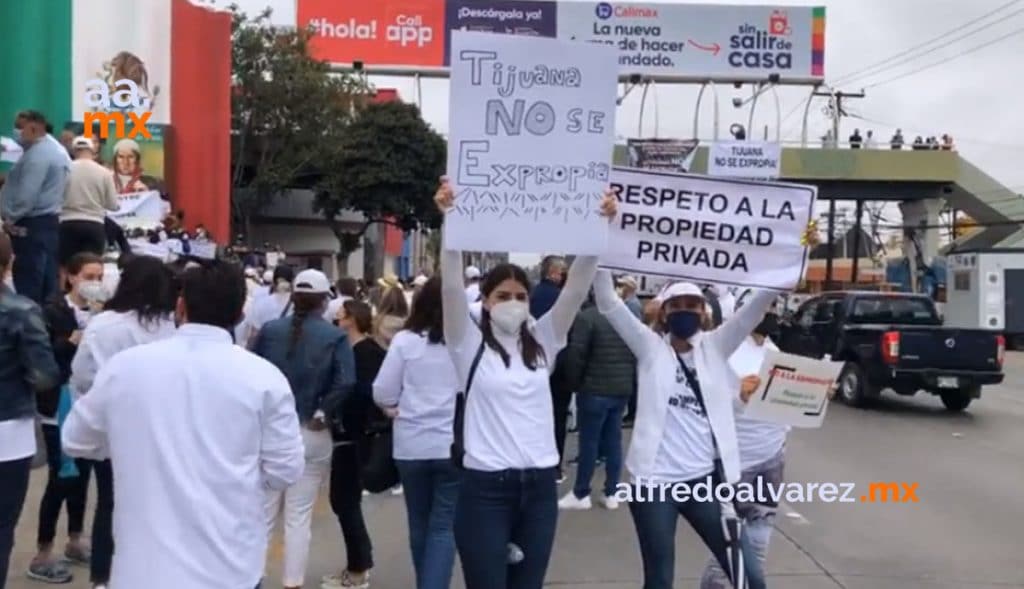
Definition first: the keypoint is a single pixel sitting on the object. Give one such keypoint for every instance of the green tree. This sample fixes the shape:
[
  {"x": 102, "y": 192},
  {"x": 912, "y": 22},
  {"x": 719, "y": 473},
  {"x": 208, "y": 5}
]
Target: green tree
[
  {"x": 286, "y": 106},
  {"x": 386, "y": 166}
]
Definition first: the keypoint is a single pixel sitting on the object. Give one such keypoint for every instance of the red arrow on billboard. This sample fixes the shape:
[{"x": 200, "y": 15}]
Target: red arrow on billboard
[{"x": 712, "y": 49}]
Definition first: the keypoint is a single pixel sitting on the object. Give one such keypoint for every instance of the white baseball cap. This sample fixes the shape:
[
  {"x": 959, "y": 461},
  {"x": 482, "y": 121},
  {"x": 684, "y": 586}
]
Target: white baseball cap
[
  {"x": 419, "y": 280},
  {"x": 311, "y": 282},
  {"x": 679, "y": 289},
  {"x": 628, "y": 281},
  {"x": 82, "y": 142},
  {"x": 472, "y": 272}
]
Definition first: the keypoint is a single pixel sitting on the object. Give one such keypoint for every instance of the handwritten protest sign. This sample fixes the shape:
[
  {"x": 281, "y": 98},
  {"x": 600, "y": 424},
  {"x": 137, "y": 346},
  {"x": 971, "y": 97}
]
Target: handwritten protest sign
[
  {"x": 140, "y": 208},
  {"x": 794, "y": 390},
  {"x": 530, "y": 147},
  {"x": 720, "y": 231},
  {"x": 745, "y": 159}
]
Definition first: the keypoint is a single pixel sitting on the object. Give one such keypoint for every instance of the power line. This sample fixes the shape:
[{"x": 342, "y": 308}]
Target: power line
[
  {"x": 940, "y": 37},
  {"x": 945, "y": 61}
]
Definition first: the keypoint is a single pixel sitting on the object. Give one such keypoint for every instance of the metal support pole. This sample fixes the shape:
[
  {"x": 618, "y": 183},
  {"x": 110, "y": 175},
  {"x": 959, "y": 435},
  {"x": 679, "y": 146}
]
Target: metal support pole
[
  {"x": 830, "y": 242},
  {"x": 753, "y": 106},
  {"x": 714, "y": 108},
  {"x": 856, "y": 241},
  {"x": 807, "y": 113},
  {"x": 778, "y": 114}
]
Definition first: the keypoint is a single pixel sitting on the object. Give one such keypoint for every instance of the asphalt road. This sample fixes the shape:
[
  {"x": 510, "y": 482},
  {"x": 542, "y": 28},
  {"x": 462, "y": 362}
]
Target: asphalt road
[{"x": 965, "y": 531}]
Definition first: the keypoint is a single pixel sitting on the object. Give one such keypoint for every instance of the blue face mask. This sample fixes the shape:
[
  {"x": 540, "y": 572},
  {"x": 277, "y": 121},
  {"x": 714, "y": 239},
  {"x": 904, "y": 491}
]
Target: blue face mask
[{"x": 683, "y": 324}]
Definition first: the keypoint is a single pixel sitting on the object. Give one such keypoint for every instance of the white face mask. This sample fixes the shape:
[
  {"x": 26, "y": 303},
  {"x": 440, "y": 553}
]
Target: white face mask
[
  {"x": 509, "y": 316},
  {"x": 93, "y": 291}
]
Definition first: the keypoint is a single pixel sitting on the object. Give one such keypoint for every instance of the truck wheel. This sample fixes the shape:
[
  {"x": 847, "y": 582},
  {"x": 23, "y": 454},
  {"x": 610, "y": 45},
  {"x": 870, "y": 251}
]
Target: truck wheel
[
  {"x": 956, "y": 401},
  {"x": 854, "y": 388}
]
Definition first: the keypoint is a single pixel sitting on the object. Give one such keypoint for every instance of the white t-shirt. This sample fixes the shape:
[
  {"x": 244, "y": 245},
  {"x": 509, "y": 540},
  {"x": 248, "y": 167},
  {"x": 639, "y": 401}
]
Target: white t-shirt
[
  {"x": 17, "y": 439},
  {"x": 473, "y": 293},
  {"x": 419, "y": 378},
  {"x": 509, "y": 417},
  {"x": 333, "y": 306},
  {"x": 687, "y": 449},
  {"x": 759, "y": 441}
]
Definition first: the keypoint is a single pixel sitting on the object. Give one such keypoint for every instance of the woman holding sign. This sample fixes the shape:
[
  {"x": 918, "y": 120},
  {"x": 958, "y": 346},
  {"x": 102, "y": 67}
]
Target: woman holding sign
[{"x": 509, "y": 494}]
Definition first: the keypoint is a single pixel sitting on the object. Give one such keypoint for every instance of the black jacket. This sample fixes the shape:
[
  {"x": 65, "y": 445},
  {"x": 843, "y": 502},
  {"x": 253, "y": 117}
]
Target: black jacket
[
  {"x": 60, "y": 323},
  {"x": 597, "y": 361}
]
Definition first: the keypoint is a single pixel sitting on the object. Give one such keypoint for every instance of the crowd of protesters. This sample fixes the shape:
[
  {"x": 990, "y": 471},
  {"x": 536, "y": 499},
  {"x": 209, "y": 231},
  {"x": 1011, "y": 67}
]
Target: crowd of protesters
[
  {"x": 896, "y": 143},
  {"x": 211, "y": 401}
]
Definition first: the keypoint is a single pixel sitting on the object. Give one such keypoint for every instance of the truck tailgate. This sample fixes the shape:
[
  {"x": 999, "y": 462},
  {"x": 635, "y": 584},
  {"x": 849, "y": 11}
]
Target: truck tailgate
[{"x": 945, "y": 348}]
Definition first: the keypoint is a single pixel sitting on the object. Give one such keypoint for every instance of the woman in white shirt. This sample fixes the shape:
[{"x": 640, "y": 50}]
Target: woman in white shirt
[
  {"x": 508, "y": 494},
  {"x": 761, "y": 446},
  {"x": 140, "y": 312},
  {"x": 685, "y": 402},
  {"x": 417, "y": 384}
]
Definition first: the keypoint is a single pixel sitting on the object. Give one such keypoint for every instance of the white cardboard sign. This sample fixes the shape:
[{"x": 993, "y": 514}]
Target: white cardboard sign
[
  {"x": 532, "y": 128},
  {"x": 794, "y": 390},
  {"x": 713, "y": 230}
]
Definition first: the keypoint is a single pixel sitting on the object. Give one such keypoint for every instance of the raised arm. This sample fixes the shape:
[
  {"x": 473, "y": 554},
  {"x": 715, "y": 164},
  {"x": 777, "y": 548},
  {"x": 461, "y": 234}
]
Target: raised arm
[
  {"x": 731, "y": 334},
  {"x": 638, "y": 337},
  {"x": 454, "y": 306},
  {"x": 563, "y": 313}
]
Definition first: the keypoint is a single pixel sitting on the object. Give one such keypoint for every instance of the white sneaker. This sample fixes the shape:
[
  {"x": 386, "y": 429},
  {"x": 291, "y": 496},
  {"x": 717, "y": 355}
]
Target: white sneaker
[
  {"x": 609, "y": 503},
  {"x": 397, "y": 490},
  {"x": 573, "y": 503},
  {"x": 345, "y": 580}
]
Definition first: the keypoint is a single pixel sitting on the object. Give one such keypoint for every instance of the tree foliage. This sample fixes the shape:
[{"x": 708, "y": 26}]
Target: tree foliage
[
  {"x": 386, "y": 166},
  {"x": 286, "y": 106}
]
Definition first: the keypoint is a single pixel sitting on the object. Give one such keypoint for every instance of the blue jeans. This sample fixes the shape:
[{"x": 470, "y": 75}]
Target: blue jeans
[
  {"x": 655, "y": 522},
  {"x": 35, "y": 258},
  {"x": 503, "y": 507},
  {"x": 600, "y": 419},
  {"x": 431, "y": 490}
]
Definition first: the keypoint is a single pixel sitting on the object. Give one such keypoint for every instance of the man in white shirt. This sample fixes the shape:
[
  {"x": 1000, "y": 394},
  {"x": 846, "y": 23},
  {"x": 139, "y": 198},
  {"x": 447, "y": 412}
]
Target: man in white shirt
[
  {"x": 472, "y": 276},
  {"x": 194, "y": 447}
]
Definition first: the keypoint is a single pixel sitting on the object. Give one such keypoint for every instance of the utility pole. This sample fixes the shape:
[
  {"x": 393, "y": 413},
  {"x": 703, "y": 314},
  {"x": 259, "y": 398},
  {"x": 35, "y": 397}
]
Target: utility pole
[{"x": 838, "y": 111}]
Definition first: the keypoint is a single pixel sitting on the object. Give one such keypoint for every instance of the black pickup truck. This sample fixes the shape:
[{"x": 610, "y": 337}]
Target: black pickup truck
[{"x": 897, "y": 341}]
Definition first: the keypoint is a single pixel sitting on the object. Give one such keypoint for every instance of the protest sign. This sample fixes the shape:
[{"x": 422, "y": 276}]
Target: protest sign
[
  {"x": 745, "y": 159},
  {"x": 140, "y": 208},
  {"x": 668, "y": 155},
  {"x": 530, "y": 146},
  {"x": 719, "y": 231},
  {"x": 794, "y": 390}
]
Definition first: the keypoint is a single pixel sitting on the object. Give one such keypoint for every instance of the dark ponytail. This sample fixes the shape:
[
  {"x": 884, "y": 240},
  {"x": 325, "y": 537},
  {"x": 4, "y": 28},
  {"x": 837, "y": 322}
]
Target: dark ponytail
[{"x": 303, "y": 305}]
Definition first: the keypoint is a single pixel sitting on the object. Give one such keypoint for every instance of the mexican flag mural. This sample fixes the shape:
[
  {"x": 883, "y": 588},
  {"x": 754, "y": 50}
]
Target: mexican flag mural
[{"x": 177, "y": 52}]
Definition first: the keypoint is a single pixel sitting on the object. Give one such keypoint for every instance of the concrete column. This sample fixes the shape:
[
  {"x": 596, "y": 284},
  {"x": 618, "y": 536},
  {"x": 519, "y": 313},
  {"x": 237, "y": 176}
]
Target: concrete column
[{"x": 925, "y": 213}]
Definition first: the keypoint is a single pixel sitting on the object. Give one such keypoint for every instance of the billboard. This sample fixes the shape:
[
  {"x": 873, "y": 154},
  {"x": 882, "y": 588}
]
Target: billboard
[
  {"x": 691, "y": 41},
  {"x": 381, "y": 32},
  {"x": 703, "y": 40},
  {"x": 510, "y": 17}
]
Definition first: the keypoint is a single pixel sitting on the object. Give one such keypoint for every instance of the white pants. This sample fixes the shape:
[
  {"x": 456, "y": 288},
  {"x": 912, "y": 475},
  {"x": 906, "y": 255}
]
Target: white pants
[{"x": 298, "y": 502}]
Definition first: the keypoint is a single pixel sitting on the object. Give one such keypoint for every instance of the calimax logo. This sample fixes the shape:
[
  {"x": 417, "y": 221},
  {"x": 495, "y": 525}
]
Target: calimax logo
[{"x": 605, "y": 11}]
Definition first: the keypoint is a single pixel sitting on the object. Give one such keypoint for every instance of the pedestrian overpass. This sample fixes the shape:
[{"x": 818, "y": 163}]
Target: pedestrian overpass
[{"x": 920, "y": 180}]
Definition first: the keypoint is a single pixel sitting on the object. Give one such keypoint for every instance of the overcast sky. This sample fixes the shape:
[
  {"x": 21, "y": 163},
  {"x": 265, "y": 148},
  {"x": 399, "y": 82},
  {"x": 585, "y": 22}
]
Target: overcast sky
[{"x": 972, "y": 97}]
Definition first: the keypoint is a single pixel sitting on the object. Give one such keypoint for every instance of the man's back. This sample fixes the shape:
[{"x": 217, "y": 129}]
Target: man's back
[
  {"x": 197, "y": 428},
  {"x": 90, "y": 192},
  {"x": 35, "y": 185}
]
